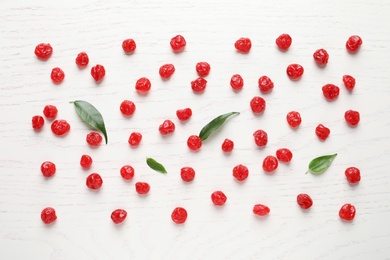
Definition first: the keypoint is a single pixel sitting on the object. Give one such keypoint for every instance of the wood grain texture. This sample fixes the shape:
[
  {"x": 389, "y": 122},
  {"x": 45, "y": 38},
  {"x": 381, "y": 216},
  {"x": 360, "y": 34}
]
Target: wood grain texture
[{"x": 84, "y": 229}]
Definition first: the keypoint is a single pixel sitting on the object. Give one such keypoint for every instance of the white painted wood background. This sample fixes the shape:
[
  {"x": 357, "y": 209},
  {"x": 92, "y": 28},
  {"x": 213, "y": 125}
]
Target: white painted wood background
[{"x": 84, "y": 229}]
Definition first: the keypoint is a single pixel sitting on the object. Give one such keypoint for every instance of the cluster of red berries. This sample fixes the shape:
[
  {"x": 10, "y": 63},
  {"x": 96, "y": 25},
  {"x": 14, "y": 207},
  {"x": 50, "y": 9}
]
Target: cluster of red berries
[{"x": 257, "y": 104}]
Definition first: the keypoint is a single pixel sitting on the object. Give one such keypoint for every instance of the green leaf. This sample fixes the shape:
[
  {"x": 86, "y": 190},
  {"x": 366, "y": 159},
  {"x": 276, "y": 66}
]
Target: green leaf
[
  {"x": 320, "y": 164},
  {"x": 214, "y": 125},
  {"x": 152, "y": 163},
  {"x": 90, "y": 115}
]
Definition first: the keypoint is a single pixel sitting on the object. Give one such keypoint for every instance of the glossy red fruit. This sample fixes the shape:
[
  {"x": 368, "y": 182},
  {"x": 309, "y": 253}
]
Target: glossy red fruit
[
  {"x": 261, "y": 210},
  {"x": 118, "y": 216},
  {"x": 37, "y": 122},
  {"x": 199, "y": 85},
  {"x": 202, "y": 68},
  {"x": 349, "y": 82},
  {"x": 218, "y": 198},
  {"x": 86, "y": 161},
  {"x": 227, "y": 145},
  {"x": 194, "y": 142},
  {"x": 187, "y": 174},
  {"x": 43, "y": 51},
  {"x": 179, "y": 215},
  {"x": 60, "y": 127},
  {"x": 82, "y": 59},
  {"x": 50, "y": 111},
  {"x": 243, "y": 45},
  {"x": 166, "y": 71},
  {"x": 167, "y": 127},
  {"x": 352, "y": 174},
  {"x": 98, "y": 72},
  {"x": 127, "y": 107},
  {"x": 143, "y": 85},
  {"x": 283, "y": 42},
  {"x": 178, "y": 43},
  {"x": 94, "y": 181},
  {"x": 322, "y": 132},
  {"x": 270, "y": 164},
  {"x": 129, "y": 46},
  {"x": 257, "y": 104},
  {"x": 330, "y": 91},
  {"x": 236, "y": 82},
  {"x": 184, "y": 114},
  {"x": 294, "y": 119},
  {"x": 294, "y": 71},
  {"x": 94, "y": 139},
  {"x": 135, "y": 138},
  {"x": 265, "y": 84},
  {"x": 240, "y": 172},
  {"x": 48, "y": 169},
  {"x": 48, "y": 215},
  {"x": 321, "y": 57},
  {"x": 127, "y": 172},
  {"x": 142, "y": 187},
  {"x": 353, "y": 43},
  {"x": 352, "y": 117},
  {"x": 284, "y": 155},
  {"x": 261, "y": 138},
  {"x": 57, "y": 75},
  {"x": 304, "y": 201},
  {"x": 347, "y": 212}
]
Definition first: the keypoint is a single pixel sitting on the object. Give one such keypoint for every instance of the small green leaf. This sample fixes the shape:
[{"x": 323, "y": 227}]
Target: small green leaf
[
  {"x": 90, "y": 115},
  {"x": 320, "y": 164},
  {"x": 214, "y": 125},
  {"x": 152, "y": 163}
]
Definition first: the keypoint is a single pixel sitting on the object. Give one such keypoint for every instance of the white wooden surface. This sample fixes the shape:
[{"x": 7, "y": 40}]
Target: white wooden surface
[{"x": 84, "y": 230}]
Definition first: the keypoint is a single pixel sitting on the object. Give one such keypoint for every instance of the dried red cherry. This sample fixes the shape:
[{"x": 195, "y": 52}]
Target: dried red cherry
[
  {"x": 270, "y": 163},
  {"x": 240, "y": 172},
  {"x": 43, "y": 51},
  {"x": 129, "y": 46},
  {"x": 284, "y": 155},
  {"x": 127, "y": 172},
  {"x": 48, "y": 215},
  {"x": 353, "y": 43},
  {"x": 57, "y": 75},
  {"x": 184, "y": 114},
  {"x": 352, "y": 117},
  {"x": 194, "y": 142},
  {"x": 118, "y": 216},
  {"x": 347, "y": 212},
  {"x": 127, "y": 107},
  {"x": 257, "y": 104},
  {"x": 60, "y": 127},
  {"x": 98, "y": 72},
  {"x": 187, "y": 174},
  {"x": 227, "y": 145},
  {"x": 294, "y": 71},
  {"x": 321, "y": 57},
  {"x": 94, "y": 139},
  {"x": 352, "y": 174},
  {"x": 265, "y": 84},
  {"x": 167, "y": 127},
  {"x": 82, "y": 59},
  {"x": 94, "y": 181},
  {"x": 261, "y": 210},
  {"x": 330, "y": 91},
  {"x": 179, "y": 215},
  {"x": 349, "y": 82},
  {"x": 261, "y": 138},
  {"x": 198, "y": 85},
  {"x": 236, "y": 82},
  {"x": 166, "y": 71},
  {"x": 178, "y": 43},
  {"x": 135, "y": 138},
  {"x": 218, "y": 198},
  {"x": 243, "y": 45},
  {"x": 48, "y": 169},
  {"x": 50, "y": 111},
  {"x": 86, "y": 161},
  {"x": 37, "y": 122},
  {"x": 294, "y": 119},
  {"x": 283, "y": 42},
  {"x": 142, "y": 187},
  {"x": 322, "y": 132},
  {"x": 143, "y": 85},
  {"x": 202, "y": 68},
  {"x": 304, "y": 201}
]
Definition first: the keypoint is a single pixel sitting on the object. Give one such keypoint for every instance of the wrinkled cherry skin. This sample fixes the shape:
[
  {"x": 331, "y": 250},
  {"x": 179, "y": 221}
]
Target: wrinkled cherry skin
[
  {"x": 43, "y": 51},
  {"x": 166, "y": 71},
  {"x": 179, "y": 215},
  {"x": 178, "y": 43},
  {"x": 167, "y": 127},
  {"x": 352, "y": 117},
  {"x": 243, "y": 45},
  {"x": 304, "y": 201},
  {"x": 227, "y": 145},
  {"x": 94, "y": 139},
  {"x": 86, "y": 161},
  {"x": 265, "y": 84},
  {"x": 218, "y": 198},
  {"x": 127, "y": 172},
  {"x": 199, "y": 85},
  {"x": 294, "y": 119},
  {"x": 184, "y": 114},
  {"x": 236, "y": 82},
  {"x": 187, "y": 174},
  {"x": 322, "y": 132},
  {"x": 284, "y": 155},
  {"x": 240, "y": 172},
  {"x": 353, "y": 43},
  {"x": 143, "y": 85},
  {"x": 330, "y": 91},
  {"x": 98, "y": 72},
  {"x": 261, "y": 210},
  {"x": 294, "y": 71},
  {"x": 142, "y": 187},
  {"x": 347, "y": 212},
  {"x": 127, "y": 108},
  {"x": 60, "y": 127},
  {"x": 118, "y": 216},
  {"x": 57, "y": 75},
  {"x": 321, "y": 57},
  {"x": 349, "y": 82},
  {"x": 82, "y": 59},
  {"x": 261, "y": 138},
  {"x": 48, "y": 215},
  {"x": 270, "y": 164},
  {"x": 94, "y": 181},
  {"x": 37, "y": 122},
  {"x": 129, "y": 46},
  {"x": 194, "y": 142},
  {"x": 202, "y": 68},
  {"x": 48, "y": 169},
  {"x": 352, "y": 174},
  {"x": 135, "y": 138},
  {"x": 283, "y": 42},
  {"x": 50, "y": 111},
  {"x": 257, "y": 104}
]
